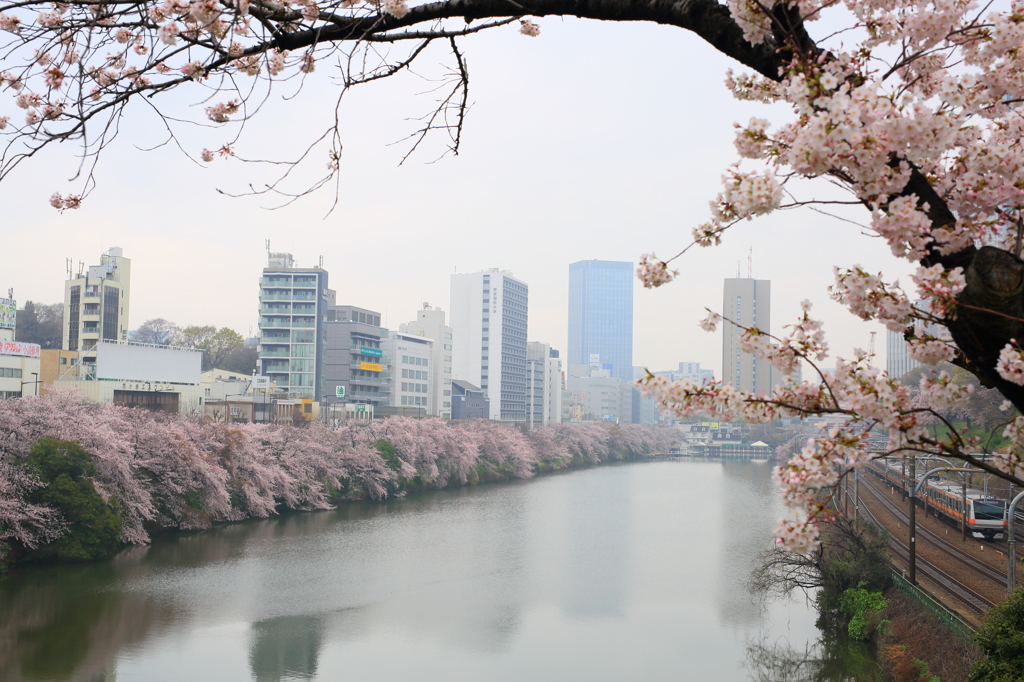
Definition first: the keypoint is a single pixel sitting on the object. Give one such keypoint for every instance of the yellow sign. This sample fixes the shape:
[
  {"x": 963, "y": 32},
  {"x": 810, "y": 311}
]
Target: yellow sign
[{"x": 371, "y": 367}]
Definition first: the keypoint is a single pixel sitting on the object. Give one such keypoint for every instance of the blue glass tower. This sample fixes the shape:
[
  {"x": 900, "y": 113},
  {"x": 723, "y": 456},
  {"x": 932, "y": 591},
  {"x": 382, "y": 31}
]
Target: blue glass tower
[{"x": 601, "y": 315}]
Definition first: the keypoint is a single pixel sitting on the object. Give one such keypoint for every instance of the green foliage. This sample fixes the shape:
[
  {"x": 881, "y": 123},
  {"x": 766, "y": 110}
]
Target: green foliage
[
  {"x": 854, "y": 555},
  {"x": 922, "y": 671},
  {"x": 94, "y": 528},
  {"x": 1001, "y": 639},
  {"x": 388, "y": 453},
  {"x": 862, "y": 607}
]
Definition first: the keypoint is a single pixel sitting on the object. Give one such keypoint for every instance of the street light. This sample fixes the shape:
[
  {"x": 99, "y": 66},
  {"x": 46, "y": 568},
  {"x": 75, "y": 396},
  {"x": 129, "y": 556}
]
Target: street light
[{"x": 35, "y": 383}]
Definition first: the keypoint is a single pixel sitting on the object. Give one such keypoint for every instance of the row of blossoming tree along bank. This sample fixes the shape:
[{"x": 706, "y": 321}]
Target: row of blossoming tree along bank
[{"x": 164, "y": 471}]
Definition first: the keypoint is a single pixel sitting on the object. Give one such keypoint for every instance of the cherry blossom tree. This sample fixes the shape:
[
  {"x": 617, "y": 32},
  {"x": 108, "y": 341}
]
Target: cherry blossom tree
[{"x": 169, "y": 471}]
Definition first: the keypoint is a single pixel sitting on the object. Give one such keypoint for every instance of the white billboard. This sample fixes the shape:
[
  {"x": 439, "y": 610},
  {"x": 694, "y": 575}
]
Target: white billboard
[
  {"x": 260, "y": 381},
  {"x": 133, "y": 362}
]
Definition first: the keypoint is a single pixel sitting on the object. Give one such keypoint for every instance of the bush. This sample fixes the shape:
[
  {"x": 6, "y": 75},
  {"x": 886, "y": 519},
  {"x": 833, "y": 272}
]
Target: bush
[
  {"x": 863, "y": 608},
  {"x": 94, "y": 528},
  {"x": 1001, "y": 639}
]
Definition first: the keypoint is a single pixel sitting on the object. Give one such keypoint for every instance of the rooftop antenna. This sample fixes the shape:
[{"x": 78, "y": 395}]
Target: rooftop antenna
[
  {"x": 68, "y": 265},
  {"x": 750, "y": 263},
  {"x": 81, "y": 267},
  {"x": 10, "y": 293},
  {"x": 321, "y": 261},
  {"x": 737, "y": 269}
]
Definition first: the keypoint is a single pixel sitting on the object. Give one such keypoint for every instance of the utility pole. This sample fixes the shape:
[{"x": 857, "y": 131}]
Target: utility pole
[
  {"x": 856, "y": 492},
  {"x": 912, "y": 544},
  {"x": 1011, "y": 546},
  {"x": 963, "y": 517}
]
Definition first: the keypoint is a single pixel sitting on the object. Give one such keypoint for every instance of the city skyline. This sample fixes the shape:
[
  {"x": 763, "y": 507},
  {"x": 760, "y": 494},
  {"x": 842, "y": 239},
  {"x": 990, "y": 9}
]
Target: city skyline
[{"x": 400, "y": 228}]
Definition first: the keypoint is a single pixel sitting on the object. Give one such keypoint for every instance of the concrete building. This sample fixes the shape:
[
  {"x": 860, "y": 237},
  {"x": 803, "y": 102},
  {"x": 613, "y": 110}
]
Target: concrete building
[
  {"x": 897, "y": 352},
  {"x": 56, "y": 364},
  {"x": 601, "y": 316},
  {"x": 489, "y": 315},
  {"x": 354, "y": 357},
  {"x": 543, "y": 385},
  {"x": 602, "y": 397},
  {"x": 747, "y": 302},
  {"x": 409, "y": 360},
  {"x": 96, "y": 305},
  {"x": 430, "y": 324},
  {"x": 19, "y": 362},
  {"x": 469, "y": 402},
  {"x": 293, "y": 310}
]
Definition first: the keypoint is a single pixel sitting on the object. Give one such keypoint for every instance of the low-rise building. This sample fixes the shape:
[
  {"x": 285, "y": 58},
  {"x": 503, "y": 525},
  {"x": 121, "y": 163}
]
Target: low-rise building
[
  {"x": 469, "y": 401},
  {"x": 55, "y": 364},
  {"x": 19, "y": 369}
]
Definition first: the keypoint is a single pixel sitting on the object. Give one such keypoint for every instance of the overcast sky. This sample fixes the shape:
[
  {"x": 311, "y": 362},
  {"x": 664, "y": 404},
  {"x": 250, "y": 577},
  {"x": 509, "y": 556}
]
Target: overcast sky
[{"x": 594, "y": 140}]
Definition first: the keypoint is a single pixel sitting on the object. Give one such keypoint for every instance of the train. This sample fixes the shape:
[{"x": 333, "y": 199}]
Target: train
[{"x": 986, "y": 516}]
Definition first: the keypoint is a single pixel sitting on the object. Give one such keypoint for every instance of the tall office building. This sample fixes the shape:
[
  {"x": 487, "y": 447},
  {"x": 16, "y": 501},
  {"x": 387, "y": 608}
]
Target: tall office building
[
  {"x": 430, "y": 324},
  {"x": 601, "y": 316},
  {"x": 747, "y": 302},
  {"x": 96, "y": 306},
  {"x": 293, "y": 308},
  {"x": 489, "y": 315}
]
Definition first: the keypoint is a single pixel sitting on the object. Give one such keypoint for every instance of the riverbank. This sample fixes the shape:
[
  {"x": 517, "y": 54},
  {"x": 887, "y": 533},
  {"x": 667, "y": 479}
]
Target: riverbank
[
  {"x": 164, "y": 472},
  {"x": 919, "y": 647}
]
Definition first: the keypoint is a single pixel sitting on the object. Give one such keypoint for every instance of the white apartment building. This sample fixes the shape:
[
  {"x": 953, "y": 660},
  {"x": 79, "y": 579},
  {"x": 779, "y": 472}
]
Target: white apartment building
[
  {"x": 408, "y": 358},
  {"x": 489, "y": 314},
  {"x": 430, "y": 324},
  {"x": 543, "y": 385},
  {"x": 747, "y": 302},
  {"x": 96, "y": 306}
]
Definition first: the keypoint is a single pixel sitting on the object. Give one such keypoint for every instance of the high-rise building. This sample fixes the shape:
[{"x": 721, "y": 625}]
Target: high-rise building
[
  {"x": 489, "y": 315},
  {"x": 430, "y": 324},
  {"x": 543, "y": 385},
  {"x": 601, "y": 316},
  {"x": 96, "y": 306},
  {"x": 293, "y": 308},
  {"x": 747, "y": 302},
  {"x": 354, "y": 357}
]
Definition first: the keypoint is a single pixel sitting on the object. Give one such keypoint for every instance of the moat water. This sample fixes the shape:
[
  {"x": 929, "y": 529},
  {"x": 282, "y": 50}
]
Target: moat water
[{"x": 618, "y": 573}]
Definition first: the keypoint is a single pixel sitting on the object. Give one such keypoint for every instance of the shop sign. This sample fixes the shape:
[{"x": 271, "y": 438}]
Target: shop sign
[{"x": 371, "y": 367}]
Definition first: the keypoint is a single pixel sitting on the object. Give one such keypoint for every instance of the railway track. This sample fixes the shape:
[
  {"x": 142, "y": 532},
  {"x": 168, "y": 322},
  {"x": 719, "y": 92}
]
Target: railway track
[
  {"x": 939, "y": 541},
  {"x": 957, "y": 589}
]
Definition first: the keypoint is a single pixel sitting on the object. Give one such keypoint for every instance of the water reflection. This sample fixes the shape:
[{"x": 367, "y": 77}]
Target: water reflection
[
  {"x": 750, "y": 503},
  {"x": 828, "y": 660},
  {"x": 285, "y": 648},
  {"x": 606, "y": 574}
]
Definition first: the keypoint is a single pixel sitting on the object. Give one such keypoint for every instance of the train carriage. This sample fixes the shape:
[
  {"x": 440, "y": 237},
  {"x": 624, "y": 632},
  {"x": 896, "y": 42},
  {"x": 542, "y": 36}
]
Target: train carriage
[{"x": 986, "y": 516}]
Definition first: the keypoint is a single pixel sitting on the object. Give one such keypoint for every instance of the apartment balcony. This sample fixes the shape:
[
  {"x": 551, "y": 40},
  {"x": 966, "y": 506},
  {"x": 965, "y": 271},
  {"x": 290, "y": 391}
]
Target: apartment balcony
[
  {"x": 275, "y": 353},
  {"x": 287, "y": 310},
  {"x": 304, "y": 285},
  {"x": 280, "y": 282},
  {"x": 283, "y": 296}
]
